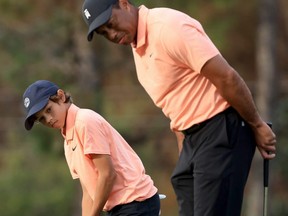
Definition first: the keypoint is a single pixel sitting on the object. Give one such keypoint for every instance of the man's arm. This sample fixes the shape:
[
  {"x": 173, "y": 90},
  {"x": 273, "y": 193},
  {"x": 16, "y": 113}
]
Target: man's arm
[
  {"x": 232, "y": 87},
  {"x": 105, "y": 181}
]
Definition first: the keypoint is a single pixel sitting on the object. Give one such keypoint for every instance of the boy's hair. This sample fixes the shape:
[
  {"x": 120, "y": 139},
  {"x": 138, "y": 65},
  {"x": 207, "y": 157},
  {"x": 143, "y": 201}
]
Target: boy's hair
[{"x": 68, "y": 98}]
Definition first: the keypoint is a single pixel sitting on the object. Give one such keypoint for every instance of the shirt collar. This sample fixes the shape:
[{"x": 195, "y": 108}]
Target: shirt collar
[
  {"x": 142, "y": 27},
  {"x": 68, "y": 131}
]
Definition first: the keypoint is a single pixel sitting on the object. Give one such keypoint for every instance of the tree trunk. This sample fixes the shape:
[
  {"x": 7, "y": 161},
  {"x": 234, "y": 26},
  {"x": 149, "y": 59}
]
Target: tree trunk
[{"x": 266, "y": 83}]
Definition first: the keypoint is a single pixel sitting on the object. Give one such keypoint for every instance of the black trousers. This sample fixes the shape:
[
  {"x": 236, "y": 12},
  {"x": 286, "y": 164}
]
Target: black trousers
[
  {"x": 148, "y": 207},
  {"x": 213, "y": 167}
]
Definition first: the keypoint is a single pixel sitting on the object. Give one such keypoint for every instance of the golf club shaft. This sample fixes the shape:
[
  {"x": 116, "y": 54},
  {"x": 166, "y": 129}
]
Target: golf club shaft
[
  {"x": 266, "y": 179},
  {"x": 266, "y": 182}
]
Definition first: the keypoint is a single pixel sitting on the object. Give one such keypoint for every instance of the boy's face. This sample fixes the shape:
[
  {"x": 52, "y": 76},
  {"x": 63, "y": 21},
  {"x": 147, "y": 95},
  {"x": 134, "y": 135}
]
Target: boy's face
[{"x": 53, "y": 114}]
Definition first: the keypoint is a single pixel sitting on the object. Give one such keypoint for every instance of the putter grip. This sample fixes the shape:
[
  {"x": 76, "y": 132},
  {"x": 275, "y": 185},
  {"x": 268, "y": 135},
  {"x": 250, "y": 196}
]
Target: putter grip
[
  {"x": 266, "y": 167},
  {"x": 266, "y": 172}
]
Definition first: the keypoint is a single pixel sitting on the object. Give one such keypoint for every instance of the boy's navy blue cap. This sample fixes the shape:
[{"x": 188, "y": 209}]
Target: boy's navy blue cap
[
  {"x": 36, "y": 97},
  {"x": 96, "y": 13}
]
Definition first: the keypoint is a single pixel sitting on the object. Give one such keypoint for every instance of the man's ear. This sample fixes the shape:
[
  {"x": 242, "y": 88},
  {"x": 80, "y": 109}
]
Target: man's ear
[{"x": 61, "y": 95}]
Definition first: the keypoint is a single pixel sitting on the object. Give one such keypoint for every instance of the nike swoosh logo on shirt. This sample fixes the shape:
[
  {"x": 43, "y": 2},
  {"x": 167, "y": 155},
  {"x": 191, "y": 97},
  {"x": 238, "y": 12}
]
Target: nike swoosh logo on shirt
[{"x": 73, "y": 148}]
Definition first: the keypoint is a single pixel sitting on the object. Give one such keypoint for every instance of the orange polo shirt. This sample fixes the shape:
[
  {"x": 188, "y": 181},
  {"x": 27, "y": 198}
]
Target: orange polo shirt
[
  {"x": 88, "y": 133},
  {"x": 169, "y": 55}
]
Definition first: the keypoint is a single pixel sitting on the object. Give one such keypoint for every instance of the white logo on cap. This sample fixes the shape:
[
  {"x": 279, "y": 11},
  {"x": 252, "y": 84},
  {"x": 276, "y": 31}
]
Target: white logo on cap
[
  {"x": 26, "y": 102},
  {"x": 87, "y": 14}
]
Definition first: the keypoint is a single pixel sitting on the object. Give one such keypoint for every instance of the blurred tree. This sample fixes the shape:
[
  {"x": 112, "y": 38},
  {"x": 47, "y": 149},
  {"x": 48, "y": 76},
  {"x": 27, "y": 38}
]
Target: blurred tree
[{"x": 266, "y": 91}]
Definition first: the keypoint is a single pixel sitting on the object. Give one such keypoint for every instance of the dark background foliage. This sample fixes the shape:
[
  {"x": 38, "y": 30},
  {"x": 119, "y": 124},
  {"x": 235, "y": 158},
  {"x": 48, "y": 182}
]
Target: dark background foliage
[{"x": 47, "y": 40}]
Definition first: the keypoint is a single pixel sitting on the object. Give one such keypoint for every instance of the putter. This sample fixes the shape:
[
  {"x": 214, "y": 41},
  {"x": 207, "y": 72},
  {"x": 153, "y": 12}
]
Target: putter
[
  {"x": 266, "y": 182},
  {"x": 161, "y": 196}
]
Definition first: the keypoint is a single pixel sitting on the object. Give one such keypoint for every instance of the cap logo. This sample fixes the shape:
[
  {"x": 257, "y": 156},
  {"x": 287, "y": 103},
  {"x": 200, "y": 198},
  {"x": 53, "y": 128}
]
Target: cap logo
[
  {"x": 26, "y": 102},
  {"x": 87, "y": 14}
]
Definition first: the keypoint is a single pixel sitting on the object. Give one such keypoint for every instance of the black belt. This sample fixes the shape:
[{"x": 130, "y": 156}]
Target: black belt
[{"x": 197, "y": 127}]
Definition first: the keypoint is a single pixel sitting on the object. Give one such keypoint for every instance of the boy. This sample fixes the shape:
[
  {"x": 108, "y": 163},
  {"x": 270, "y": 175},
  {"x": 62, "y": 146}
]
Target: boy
[{"x": 111, "y": 174}]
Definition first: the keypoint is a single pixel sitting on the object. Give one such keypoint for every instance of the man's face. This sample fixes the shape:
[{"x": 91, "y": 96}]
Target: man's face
[{"x": 121, "y": 28}]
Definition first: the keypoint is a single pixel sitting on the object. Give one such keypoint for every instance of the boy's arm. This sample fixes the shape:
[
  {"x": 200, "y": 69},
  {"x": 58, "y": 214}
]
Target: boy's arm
[
  {"x": 105, "y": 181},
  {"x": 86, "y": 201}
]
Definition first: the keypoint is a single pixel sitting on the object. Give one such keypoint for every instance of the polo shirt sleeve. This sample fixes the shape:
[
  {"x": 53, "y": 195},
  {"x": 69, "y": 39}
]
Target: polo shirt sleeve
[
  {"x": 188, "y": 43},
  {"x": 92, "y": 131}
]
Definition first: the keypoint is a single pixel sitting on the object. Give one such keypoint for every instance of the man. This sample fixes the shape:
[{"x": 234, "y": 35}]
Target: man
[{"x": 210, "y": 107}]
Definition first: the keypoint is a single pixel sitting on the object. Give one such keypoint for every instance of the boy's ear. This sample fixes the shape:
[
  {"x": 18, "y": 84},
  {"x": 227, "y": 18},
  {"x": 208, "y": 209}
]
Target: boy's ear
[
  {"x": 61, "y": 95},
  {"x": 123, "y": 4}
]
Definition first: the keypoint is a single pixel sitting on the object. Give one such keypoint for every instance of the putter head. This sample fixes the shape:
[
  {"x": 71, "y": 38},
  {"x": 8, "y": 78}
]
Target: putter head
[{"x": 162, "y": 196}]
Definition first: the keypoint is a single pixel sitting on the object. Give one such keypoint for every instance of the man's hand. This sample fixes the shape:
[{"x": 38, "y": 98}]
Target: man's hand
[{"x": 266, "y": 140}]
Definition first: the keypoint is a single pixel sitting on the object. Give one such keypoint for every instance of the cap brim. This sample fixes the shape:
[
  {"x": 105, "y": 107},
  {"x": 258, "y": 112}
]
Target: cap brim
[
  {"x": 100, "y": 20},
  {"x": 29, "y": 122}
]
